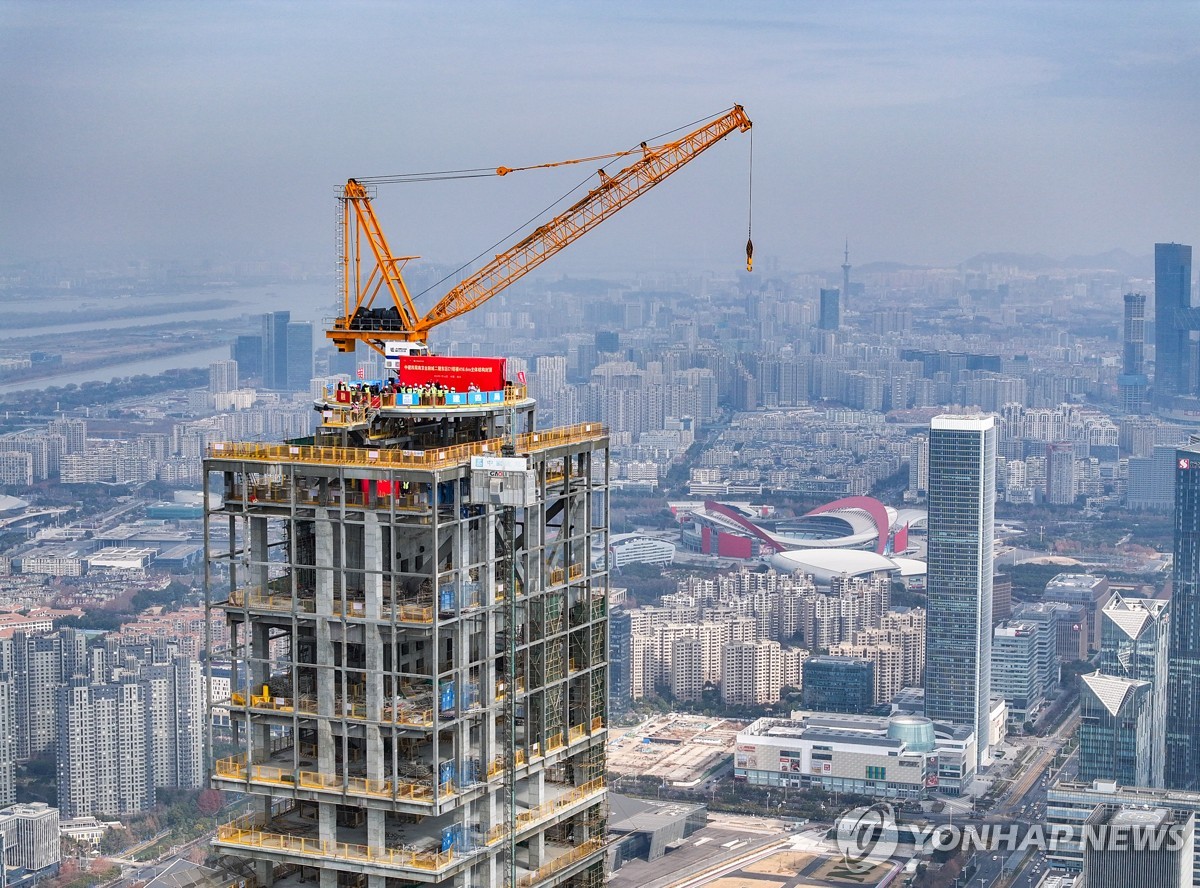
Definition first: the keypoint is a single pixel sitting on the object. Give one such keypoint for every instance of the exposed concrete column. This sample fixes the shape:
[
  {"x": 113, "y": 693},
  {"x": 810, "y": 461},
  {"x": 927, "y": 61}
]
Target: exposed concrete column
[
  {"x": 373, "y": 565},
  {"x": 264, "y": 871},
  {"x": 376, "y": 836},
  {"x": 535, "y": 788},
  {"x": 326, "y": 687},
  {"x": 259, "y": 554},
  {"x": 536, "y": 844},
  {"x": 327, "y": 821}
]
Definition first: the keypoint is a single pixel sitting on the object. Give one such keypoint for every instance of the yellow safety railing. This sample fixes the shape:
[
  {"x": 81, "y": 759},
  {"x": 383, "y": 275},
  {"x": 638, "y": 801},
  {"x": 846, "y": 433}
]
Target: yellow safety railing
[
  {"x": 561, "y": 862},
  {"x": 548, "y": 809},
  {"x": 244, "y": 835},
  {"x": 409, "y": 613},
  {"x": 495, "y": 834},
  {"x": 598, "y": 723},
  {"x": 559, "y": 575},
  {"x": 275, "y": 704},
  {"x": 530, "y": 442},
  {"x": 554, "y": 742},
  {"x": 501, "y": 688},
  {"x": 401, "y": 612},
  {"x": 253, "y": 596}
]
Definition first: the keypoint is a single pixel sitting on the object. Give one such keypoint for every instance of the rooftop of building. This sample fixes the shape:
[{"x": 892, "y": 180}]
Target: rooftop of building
[
  {"x": 824, "y": 564},
  {"x": 1074, "y": 581},
  {"x": 849, "y": 728}
]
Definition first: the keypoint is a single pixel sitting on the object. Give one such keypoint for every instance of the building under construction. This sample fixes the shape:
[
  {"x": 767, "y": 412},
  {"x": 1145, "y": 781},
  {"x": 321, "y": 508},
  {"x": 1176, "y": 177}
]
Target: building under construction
[
  {"x": 421, "y": 639},
  {"x": 416, "y": 597}
]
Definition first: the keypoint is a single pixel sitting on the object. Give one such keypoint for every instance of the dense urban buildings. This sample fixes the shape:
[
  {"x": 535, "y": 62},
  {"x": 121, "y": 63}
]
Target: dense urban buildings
[{"x": 958, "y": 620}]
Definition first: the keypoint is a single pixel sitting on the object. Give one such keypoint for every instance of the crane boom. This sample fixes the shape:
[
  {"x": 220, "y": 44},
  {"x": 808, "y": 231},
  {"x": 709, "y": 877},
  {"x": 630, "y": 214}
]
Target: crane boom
[{"x": 404, "y": 324}]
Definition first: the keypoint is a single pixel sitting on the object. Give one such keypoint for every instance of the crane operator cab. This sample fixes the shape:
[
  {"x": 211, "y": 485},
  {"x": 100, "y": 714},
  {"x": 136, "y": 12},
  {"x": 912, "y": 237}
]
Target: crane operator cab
[{"x": 394, "y": 351}]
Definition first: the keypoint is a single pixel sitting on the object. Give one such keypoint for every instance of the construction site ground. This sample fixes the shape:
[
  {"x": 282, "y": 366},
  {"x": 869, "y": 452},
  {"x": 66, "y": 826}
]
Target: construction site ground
[{"x": 681, "y": 750}]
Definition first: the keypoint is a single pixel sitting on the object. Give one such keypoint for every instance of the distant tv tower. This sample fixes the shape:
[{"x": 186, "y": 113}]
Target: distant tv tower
[{"x": 846, "y": 278}]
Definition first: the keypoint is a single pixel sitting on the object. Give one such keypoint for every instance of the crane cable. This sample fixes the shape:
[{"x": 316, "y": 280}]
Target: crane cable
[
  {"x": 750, "y": 209},
  {"x": 484, "y": 172}
]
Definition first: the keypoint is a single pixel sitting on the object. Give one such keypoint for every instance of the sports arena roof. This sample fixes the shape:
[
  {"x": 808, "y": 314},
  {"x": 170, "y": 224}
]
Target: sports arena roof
[
  {"x": 854, "y": 522},
  {"x": 824, "y": 564}
]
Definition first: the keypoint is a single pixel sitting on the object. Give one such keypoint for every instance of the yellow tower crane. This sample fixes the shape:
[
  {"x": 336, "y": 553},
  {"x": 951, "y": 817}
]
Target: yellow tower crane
[{"x": 400, "y": 328}]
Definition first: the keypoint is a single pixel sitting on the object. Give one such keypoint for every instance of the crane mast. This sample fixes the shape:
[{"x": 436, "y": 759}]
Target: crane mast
[{"x": 400, "y": 323}]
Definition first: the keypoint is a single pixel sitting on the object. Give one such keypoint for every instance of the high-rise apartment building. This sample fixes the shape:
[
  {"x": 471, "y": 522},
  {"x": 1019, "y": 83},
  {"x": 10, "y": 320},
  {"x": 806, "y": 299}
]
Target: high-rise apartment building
[
  {"x": 1134, "y": 643},
  {"x": 41, "y": 663},
  {"x": 8, "y": 736},
  {"x": 1060, "y": 473},
  {"x": 222, "y": 377},
  {"x": 428, "y": 674},
  {"x": 751, "y": 672},
  {"x": 1183, "y": 668},
  {"x": 1172, "y": 296},
  {"x": 888, "y": 660},
  {"x": 101, "y": 750},
  {"x": 1132, "y": 381},
  {"x": 958, "y": 617},
  {"x": 73, "y": 432},
  {"x": 173, "y": 690}
]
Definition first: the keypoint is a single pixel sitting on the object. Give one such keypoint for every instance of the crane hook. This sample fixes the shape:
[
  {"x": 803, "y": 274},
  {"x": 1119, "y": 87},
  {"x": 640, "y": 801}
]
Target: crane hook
[{"x": 749, "y": 255}]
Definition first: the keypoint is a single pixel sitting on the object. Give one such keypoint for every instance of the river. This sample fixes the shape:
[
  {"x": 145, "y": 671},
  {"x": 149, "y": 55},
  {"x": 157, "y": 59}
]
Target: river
[{"x": 307, "y": 301}]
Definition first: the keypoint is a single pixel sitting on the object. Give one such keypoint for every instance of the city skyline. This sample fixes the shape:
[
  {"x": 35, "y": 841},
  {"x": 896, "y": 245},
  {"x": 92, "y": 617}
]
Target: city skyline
[{"x": 927, "y": 133}]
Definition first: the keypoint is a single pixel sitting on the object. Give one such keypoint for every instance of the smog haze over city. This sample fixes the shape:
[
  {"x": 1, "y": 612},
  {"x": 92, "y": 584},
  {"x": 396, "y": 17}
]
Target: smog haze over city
[
  {"x": 324, "y": 567},
  {"x": 924, "y": 132}
]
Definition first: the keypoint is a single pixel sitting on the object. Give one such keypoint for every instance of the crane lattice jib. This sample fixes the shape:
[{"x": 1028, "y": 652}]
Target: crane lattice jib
[{"x": 612, "y": 194}]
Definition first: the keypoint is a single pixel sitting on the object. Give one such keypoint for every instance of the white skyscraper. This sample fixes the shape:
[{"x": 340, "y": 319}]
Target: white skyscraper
[{"x": 962, "y": 498}]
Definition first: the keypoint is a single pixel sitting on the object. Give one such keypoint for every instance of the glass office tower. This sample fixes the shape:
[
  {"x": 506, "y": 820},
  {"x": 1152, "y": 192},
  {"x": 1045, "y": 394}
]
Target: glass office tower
[
  {"x": 958, "y": 630},
  {"x": 1172, "y": 295},
  {"x": 1183, "y": 670}
]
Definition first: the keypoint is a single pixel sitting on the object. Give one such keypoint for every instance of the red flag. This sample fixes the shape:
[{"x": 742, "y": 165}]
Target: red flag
[
  {"x": 521, "y": 376},
  {"x": 362, "y": 373}
]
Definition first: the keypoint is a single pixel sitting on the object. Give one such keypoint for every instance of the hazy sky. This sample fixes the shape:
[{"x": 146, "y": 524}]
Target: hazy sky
[{"x": 926, "y": 132}]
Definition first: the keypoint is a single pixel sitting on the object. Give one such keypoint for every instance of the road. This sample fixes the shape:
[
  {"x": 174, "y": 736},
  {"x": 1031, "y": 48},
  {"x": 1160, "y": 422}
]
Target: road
[{"x": 1024, "y": 802}]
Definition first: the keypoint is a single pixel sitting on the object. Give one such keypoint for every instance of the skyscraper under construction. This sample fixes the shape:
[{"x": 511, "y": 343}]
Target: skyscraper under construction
[
  {"x": 415, "y": 597},
  {"x": 416, "y": 605}
]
